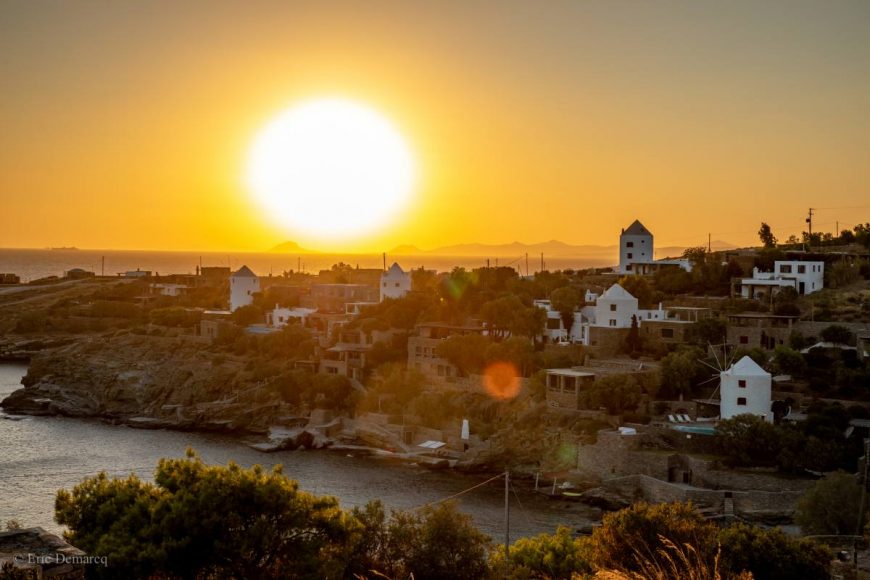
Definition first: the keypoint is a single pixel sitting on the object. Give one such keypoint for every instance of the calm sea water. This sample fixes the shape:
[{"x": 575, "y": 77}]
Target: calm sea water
[
  {"x": 39, "y": 455},
  {"x": 33, "y": 264}
]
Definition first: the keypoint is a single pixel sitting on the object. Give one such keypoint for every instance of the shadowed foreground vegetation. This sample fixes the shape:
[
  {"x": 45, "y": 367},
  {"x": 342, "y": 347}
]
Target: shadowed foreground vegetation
[{"x": 201, "y": 521}]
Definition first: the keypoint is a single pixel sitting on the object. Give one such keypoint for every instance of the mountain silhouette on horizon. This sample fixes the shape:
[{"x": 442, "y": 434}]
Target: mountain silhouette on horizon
[{"x": 552, "y": 248}]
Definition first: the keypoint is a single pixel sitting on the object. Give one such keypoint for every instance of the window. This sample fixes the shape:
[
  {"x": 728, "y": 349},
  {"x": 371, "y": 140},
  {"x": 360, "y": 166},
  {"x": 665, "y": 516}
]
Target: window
[
  {"x": 802, "y": 269},
  {"x": 629, "y": 244},
  {"x": 630, "y": 255},
  {"x": 612, "y": 322},
  {"x": 613, "y": 307},
  {"x": 741, "y": 401},
  {"x": 397, "y": 284},
  {"x": 785, "y": 269},
  {"x": 667, "y": 333},
  {"x": 385, "y": 284},
  {"x": 744, "y": 340},
  {"x": 628, "y": 268},
  {"x": 741, "y": 383}
]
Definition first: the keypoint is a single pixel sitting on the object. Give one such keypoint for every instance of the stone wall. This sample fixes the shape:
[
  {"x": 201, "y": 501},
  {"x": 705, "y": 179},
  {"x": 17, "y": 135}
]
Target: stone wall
[
  {"x": 747, "y": 503},
  {"x": 616, "y": 455}
]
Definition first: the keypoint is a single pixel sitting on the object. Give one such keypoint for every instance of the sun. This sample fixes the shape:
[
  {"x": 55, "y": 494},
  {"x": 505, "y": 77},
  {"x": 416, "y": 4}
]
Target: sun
[{"x": 331, "y": 169}]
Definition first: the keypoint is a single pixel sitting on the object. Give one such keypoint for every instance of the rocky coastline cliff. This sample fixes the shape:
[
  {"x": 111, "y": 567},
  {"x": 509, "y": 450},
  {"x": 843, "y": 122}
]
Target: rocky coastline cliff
[{"x": 145, "y": 381}]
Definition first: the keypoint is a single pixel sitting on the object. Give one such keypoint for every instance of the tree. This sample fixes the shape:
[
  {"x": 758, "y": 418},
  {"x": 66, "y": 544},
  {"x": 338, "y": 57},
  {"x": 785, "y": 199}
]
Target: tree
[
  {"x": 436, "y": 542},
  {"x": 831, "y": 506},
  {"x": 768, "y": 240},
  {"x": 556, "y": 556},
  {"x": 771, "y": 554},
  {"x": 516, "y": 350},
  {"x": 672, "y": 281},
  {"x": 618, "y": 394},
  {"x": 399, "y": 384},
  {"x": 466, "y": 352},
  {"x": 709, "y": 331},
  {"x": 681, "y": 371},
  {"x": 565, "y": 301},
  {"x": 788, "y": 361},
  {"x": 635, "y": 537},
  {"x": 205, "y": 521},
  {"x": 639, "y": 287},
  {"x": 696, "y": 255},
  {"x": 633, "y": 341},
  {"x": 247, "y": 315},
  {"x": 837, "y": 334},
  {"x": 747, "y": 440}
]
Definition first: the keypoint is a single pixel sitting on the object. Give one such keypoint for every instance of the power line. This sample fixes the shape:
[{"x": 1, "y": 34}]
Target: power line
[{"x": 463, "y": 492}]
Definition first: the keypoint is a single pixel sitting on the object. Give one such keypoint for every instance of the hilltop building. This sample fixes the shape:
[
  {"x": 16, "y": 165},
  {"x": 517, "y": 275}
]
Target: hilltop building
[
  {"x": 745, "y": 388},
  {"x": 243, "y": 285},
  {"x": 637, "y": 253},
  {"x": 635, "y": 247},
  {"x": 395, "y": 282},
  {"x": 804, "y": 277}
]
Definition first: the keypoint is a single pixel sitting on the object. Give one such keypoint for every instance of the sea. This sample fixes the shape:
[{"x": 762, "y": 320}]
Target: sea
[
  {"x": 32, "y": 264},
  {"x": 40, "y": 455}
]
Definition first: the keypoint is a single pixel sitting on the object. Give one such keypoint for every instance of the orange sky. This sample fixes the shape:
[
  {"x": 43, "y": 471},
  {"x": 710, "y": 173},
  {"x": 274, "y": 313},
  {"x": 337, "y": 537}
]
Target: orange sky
[{"x": 126, "y": 124}]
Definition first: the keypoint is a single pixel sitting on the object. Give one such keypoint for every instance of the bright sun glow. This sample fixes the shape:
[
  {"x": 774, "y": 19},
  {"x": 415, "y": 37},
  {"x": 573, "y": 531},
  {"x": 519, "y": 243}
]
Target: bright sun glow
[{"x": 331, "y": 169}]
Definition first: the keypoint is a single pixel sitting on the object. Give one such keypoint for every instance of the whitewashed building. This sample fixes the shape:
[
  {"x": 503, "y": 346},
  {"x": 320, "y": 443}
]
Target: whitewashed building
[
  {"x": 804, "y": 277},
  {"x": 745, "y": 388},
  {"x": 395, "y": 282},
  {"x": 280, "y": 317},
  {"x": 243, "y": 285},
  {"x": 615, "y": 308},
  {"x": 635, "y": 247}
]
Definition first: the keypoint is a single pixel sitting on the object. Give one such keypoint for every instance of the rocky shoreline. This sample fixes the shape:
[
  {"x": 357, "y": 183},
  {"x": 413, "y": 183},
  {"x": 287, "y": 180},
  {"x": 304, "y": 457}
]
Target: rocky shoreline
[{"x": 147, "y": 382}]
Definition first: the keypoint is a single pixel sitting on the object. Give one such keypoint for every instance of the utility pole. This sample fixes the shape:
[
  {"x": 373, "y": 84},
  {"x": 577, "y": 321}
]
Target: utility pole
[
  {"x": 527, "y": 264},
  {"x": 709, "y": 243},
  {"x": 861, "y": 511},
  {"x": 810, "y": 229},
  {"x": 507, "y": 523}
]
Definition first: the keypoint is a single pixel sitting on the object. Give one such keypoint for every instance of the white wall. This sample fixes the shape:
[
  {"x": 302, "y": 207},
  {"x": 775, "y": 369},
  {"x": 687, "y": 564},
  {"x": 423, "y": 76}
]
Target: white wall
[
  {"x": 811, "y": 279},
  {"x": 756, "y": 392},
  {"x": 634, "y": 249},
  {"x": 395, "y": 282},
  {"x": 614, "y": 309},
  {"x": 242, "y": 290}
]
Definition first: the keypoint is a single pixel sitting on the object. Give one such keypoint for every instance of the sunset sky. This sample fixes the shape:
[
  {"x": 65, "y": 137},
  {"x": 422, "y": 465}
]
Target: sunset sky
[{"x": 128, "y": 124}]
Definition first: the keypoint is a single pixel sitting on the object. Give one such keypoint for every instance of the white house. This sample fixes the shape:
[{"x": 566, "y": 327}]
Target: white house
[
  {"x": 554, "y": 328},
  {"x": 613, "y": 309},
  {"x": 280, "y": 317},
  {"x": 616, "y": 307},
  {"x": 635, "y": 247},
  {"x": 805, "y": 277},
  {"x": 169, "y": 289},
  {"x": 395, "y": 282},
  {"x": 745, "y": 388},
  {"x": 243, "y": 285}
]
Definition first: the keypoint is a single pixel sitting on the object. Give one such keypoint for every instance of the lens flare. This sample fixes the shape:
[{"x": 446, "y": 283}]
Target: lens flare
[{"x": 501, "y": 381}]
